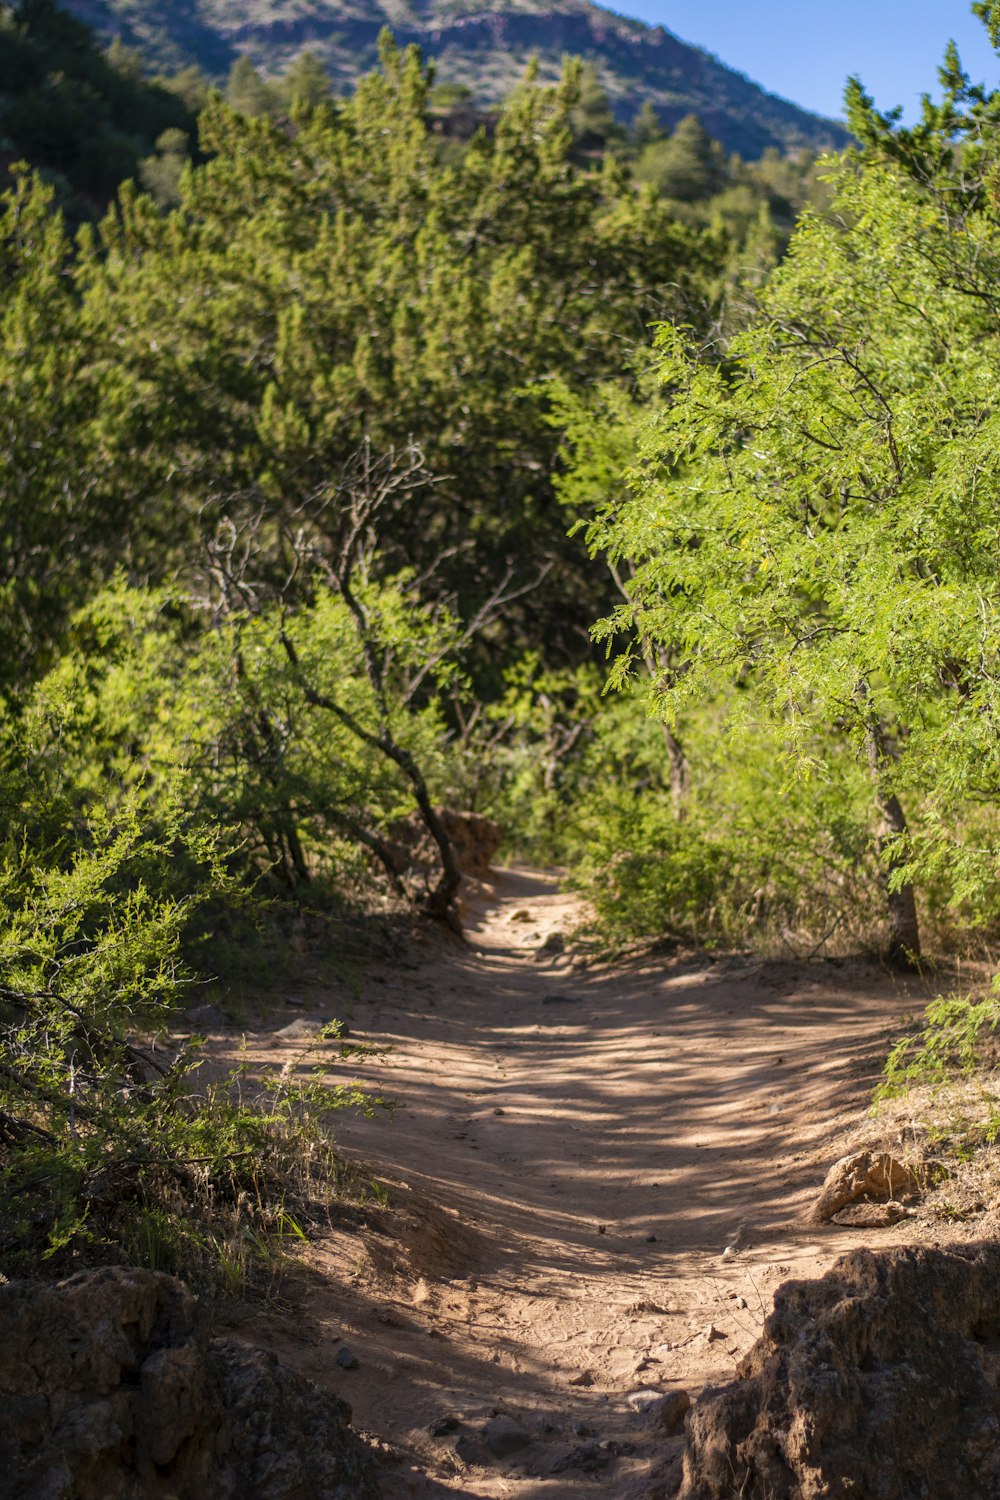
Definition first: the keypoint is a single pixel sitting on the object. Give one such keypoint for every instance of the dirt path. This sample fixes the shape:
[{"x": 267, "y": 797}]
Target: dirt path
[{"x": 597, "y": 1174}]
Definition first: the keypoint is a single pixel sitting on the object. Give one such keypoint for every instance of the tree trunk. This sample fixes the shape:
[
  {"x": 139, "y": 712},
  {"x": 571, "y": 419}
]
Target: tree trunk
[
  {"x": 678, "y": 772},
  {"x": 441, "y": 900},
  {"x": 903, "y": 949}
]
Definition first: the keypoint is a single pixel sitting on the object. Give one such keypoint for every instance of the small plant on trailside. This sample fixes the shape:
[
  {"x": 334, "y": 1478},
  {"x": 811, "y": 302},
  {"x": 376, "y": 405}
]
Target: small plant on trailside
[
  {"x": 110, "y": 1146},
  {"x": 953, "y": 1057},
  {"x": 951, "y": 1044}
]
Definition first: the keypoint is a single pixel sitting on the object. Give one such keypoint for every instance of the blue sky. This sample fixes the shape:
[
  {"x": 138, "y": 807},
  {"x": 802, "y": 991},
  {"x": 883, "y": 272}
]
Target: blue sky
[{"x": 805, "y": 49}]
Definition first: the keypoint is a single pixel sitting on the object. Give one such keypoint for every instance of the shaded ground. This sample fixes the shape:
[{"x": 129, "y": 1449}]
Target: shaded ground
[{"x": 595, "y": 1183}]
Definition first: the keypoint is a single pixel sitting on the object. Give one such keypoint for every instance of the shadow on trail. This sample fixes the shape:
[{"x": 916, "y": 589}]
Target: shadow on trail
[
  {"x": 664, "y": 1104},
  {"x": 596, "y": 1134}
]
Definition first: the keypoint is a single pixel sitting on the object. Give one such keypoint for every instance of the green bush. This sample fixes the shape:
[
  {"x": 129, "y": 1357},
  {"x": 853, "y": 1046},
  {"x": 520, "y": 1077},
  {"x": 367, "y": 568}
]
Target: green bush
[{"x": 111, "y": 1143}]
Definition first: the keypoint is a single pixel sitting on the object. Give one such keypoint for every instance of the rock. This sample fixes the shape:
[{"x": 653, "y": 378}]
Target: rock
[
  {"x": 469, "y": 1449},
  {"x": 443, "y": 1426},
  {"x": 553, "y": 945},
  {"x": 879, "y": 1380},
  {"x": 346, "y": 1358},
  {"x": 863, "y": 1215},
  {"x": 589, "y": 1458},
  {"x": 505, "y": 1436},
  {"x": 112, "y": 1390},
  {"x": 301, "y": 1029},
  {"x": 585, "y": 1378},
  {"x": 876, "y": 1177},
  {"x": 669, "y": 1412},
  {"x": 208, "y": 1017},
  {"x": 643, "y": 1400},
  {"x": 390, "y": 1317},
  {"x": 521, "y": 915},
  {"x": 476, "y": 839}
]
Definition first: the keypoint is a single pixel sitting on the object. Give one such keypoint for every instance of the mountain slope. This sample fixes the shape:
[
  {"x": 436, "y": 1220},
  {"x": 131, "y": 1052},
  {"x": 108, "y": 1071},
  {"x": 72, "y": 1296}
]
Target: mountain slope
[
  {"x": 485, "y": 47},
  {"x": 66, "y": 107}
]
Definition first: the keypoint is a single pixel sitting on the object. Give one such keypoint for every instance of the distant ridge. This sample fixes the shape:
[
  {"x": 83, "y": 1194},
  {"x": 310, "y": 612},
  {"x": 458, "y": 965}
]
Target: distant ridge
[{"x": 484, "y": 46}]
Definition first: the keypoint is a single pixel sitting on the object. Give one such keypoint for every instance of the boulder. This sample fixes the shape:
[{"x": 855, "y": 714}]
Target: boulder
[
  {"x": 872, "y": 1177},
  {"x": 876, "y": 1382},
  {"x": 303, "y": 1029},
  {"x": 112, "y": 1390},
  {"x": 670, "y": 1411}
]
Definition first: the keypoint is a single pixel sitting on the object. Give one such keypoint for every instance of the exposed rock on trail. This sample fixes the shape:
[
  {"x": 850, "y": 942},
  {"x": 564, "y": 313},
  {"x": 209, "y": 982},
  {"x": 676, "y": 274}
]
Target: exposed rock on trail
[
  {"x": 879, "y": 1380},
  {"x": 110, "y": 1391},
  {"x": 856, "y": 1184}
]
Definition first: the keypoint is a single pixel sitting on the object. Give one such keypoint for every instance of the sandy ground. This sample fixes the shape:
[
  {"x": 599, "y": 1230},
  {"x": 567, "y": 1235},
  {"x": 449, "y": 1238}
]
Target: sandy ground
[{"x": 596, "y": 1182}]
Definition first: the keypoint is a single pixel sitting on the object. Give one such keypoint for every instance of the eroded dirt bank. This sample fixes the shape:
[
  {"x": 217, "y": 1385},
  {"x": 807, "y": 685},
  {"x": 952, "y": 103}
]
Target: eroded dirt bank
[{"x": 597, "y": 1176}]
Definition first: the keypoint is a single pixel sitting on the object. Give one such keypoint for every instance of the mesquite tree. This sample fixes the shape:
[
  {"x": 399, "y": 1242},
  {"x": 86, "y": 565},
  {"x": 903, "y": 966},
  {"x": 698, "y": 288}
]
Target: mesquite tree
[{"x": 812, "y": 522}]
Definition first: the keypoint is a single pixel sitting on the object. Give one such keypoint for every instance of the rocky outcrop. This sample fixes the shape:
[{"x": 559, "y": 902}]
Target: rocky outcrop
[
  {"x": 877, "y": 1382},
  {"x": 858, "y": 1186},
  {"x": 110, "y": 1391}
]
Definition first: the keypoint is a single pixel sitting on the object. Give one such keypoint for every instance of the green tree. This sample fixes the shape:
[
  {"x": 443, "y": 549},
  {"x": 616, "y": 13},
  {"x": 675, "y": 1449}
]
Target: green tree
[
  {"x": 190, "y": 86},
  {"x": 647, "y": 126},
  {"x": 55, "y": 524},
  {"x": 307, "y": 83},
  {"x": 336, "y": 285},
  {"x": 688, "y": 166},
  {"x": 812, "y": 520},
  {"x": 592, "y": 119},
  {"x": 83, "y": 116},
  {"x": 246, "y": 90},
  {"x": 160, "y": 175}
]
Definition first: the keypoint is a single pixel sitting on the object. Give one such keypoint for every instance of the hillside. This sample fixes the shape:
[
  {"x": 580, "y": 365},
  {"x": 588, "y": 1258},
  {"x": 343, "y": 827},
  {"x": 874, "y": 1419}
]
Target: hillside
[
  {"x": 484, "y": 48},
  {"x": 84, "y": 118}
]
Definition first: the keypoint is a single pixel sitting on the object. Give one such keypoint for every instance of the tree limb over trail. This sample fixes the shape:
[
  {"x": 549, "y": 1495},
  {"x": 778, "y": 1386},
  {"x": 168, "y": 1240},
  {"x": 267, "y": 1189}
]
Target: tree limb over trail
[{"x": 273, "y": 564}]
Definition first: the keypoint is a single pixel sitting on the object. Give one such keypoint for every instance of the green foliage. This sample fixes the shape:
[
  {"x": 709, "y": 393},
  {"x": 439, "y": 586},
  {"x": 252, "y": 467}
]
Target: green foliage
[
  {"x": 160, "y": 175},
  {"x": 809, "y": 528},
  {"x": 741, "y": 858},
  {"x": 519, "y": 758},
  {"x": 246, "y": 90},
  {"x": 336, "y": 284},
  {"x": 686, "y": 165},
  {"x": 306, "y": 84},
  {"x": 110, "y": 1143},
  {"x": 82, "y": 116},
  {"x": 56, "y": 518},
  {"x": 950, "y": 1042},
  {"x": 268, "y": 727}
]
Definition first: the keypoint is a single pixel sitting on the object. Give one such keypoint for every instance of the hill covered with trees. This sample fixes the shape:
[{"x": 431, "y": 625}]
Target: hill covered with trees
[
  {"x": 482, "y": 48},
  {"x": 85, "y": 115}
]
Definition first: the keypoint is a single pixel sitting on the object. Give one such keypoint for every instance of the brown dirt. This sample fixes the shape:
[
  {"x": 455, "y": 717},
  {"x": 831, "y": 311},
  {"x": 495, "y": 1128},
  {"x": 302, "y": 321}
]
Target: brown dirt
[{"x": 596, "y": 1183}]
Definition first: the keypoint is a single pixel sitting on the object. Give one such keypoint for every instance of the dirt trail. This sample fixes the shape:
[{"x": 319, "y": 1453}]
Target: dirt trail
[{"x": 598, "y": 1175}]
